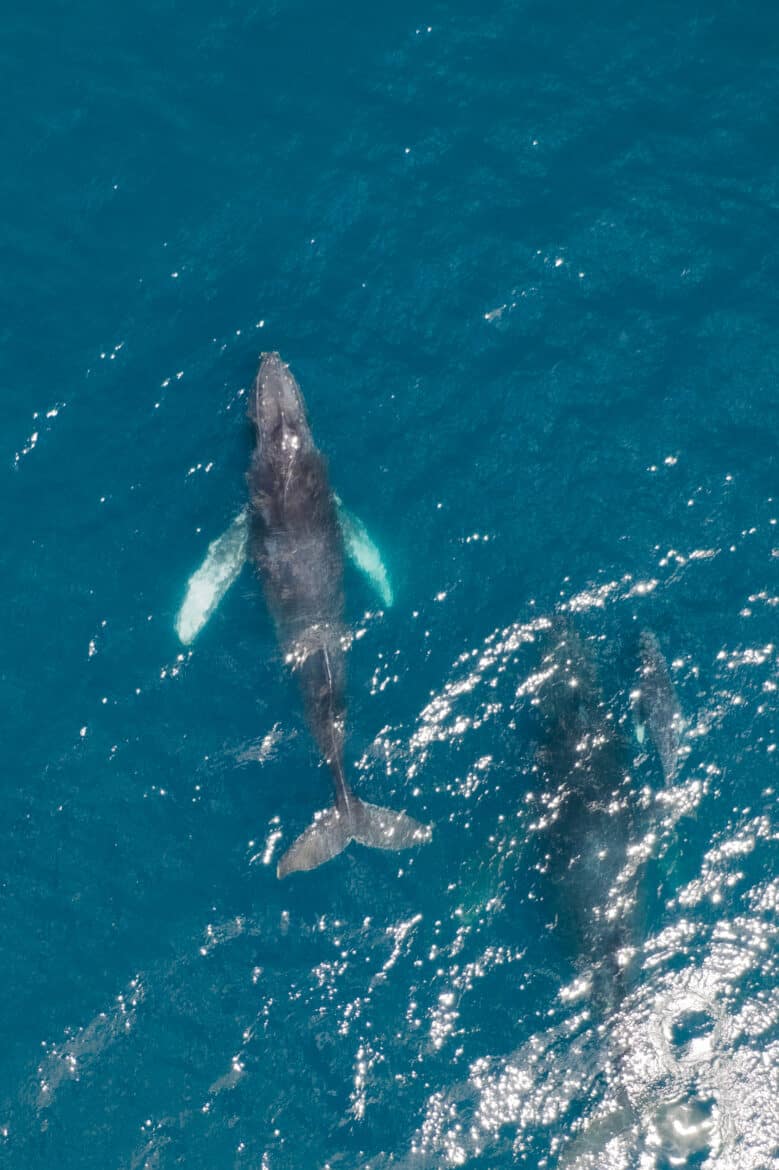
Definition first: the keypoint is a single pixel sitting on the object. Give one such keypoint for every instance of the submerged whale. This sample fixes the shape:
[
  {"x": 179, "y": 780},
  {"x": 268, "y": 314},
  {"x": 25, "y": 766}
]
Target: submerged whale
[
  {"x": 580, "y": 884},
  {"x": 593, "y": 874},
  {"x": 296, "y": 544},
  {"x": 589, "y": 818}
]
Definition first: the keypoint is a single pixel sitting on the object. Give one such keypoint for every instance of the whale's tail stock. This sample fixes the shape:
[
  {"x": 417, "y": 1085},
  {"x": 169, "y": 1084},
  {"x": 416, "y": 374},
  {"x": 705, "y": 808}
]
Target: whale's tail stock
[{"x": 333, "y": 829}]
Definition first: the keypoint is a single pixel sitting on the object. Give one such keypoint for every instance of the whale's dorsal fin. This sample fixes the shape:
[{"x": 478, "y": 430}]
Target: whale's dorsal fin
[{"x": 225, "y": 559}]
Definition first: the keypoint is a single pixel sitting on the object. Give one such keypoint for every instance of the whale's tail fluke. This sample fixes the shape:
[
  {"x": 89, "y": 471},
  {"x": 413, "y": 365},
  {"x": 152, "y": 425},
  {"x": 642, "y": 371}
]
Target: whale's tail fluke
[{"x": 333, "y": 829}]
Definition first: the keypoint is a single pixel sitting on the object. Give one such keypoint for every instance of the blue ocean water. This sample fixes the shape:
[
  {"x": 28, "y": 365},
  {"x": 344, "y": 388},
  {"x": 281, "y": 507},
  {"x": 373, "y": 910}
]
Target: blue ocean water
[{"x": 522, "y": 262}]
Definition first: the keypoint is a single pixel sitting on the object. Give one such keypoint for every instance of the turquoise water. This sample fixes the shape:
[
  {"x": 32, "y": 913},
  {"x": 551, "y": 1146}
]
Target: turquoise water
[{"x": 522, "y": 262}]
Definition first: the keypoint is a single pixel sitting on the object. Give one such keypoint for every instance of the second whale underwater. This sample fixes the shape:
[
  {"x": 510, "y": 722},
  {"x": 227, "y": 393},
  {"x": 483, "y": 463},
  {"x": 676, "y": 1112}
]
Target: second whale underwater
[{"x": 583, "y": 882}]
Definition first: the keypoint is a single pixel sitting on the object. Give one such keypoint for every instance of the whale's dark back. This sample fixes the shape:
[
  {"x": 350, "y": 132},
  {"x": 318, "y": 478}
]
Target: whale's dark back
[
  {"x": 296, "y": 545},
  {"x": 589, "y": 813}
]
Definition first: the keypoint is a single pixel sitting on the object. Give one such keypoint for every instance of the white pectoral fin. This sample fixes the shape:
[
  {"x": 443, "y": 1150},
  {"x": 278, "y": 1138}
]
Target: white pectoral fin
[
  {"x": 209, "y": 583},
  {"x": 639, "y": 719},
  {"x": 364, "y": 552}
]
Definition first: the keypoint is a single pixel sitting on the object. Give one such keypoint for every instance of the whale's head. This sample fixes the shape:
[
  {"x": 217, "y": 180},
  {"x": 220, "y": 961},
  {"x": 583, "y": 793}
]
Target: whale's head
[{"x": 276, "y": 408}]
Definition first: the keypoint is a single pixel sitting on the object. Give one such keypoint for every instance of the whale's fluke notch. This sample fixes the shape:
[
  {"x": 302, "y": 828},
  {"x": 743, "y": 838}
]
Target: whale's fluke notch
[{"x": 333, "y": 829}]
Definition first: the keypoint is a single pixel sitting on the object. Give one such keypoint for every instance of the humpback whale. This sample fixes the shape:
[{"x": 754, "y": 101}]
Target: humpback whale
[
  {"x": 297, "y": 547},
  {"x": 580, "y": 882},
  {"x": 588, "y": 816},
  {"x": 592, "y": 875}
]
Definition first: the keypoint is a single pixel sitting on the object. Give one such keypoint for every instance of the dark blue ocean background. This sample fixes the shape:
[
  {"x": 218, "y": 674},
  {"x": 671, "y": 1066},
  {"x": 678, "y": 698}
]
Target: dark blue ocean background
[{"x": 522, "y": 260}]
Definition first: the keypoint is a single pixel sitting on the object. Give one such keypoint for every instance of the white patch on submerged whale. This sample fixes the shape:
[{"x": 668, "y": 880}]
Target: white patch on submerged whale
[
  {"x": 225, "y": 559},
  {"x": 209, "y": 583}
]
